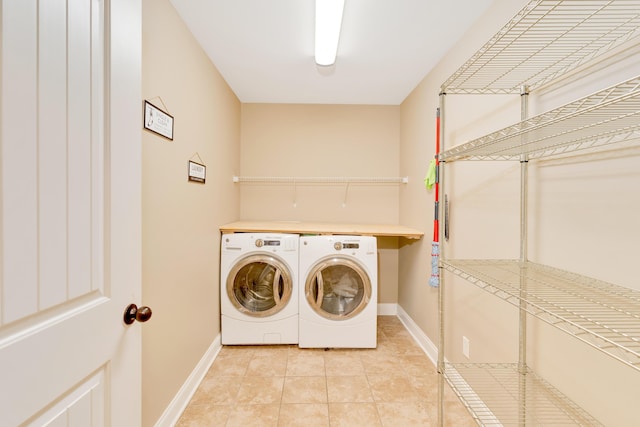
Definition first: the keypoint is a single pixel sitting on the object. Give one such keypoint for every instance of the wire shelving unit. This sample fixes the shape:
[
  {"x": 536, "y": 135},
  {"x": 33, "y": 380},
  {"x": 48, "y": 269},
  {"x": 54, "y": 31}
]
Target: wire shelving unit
[{"x": 546, "y": 40}]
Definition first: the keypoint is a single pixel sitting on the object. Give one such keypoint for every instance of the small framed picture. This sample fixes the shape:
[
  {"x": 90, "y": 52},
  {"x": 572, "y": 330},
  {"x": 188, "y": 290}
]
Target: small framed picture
[
  {"x": 158, "y": 121},
  {"x": 197, "y": 172}
]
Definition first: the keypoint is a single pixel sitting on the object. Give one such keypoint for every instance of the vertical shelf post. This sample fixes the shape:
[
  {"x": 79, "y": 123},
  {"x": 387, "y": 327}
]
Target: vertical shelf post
[
  {"x": 441, "y": 225},
  {"x": 522, "y": 346}
]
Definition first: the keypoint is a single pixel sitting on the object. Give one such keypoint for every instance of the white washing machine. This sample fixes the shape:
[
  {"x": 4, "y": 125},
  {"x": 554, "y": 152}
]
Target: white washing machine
[
  {"x": 258, "y": 288},
  {"x": 338, "y": 291}
]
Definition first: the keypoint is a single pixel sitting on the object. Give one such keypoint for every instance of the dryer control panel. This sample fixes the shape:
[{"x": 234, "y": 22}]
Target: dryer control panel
[{"x": 338, "y": 246}]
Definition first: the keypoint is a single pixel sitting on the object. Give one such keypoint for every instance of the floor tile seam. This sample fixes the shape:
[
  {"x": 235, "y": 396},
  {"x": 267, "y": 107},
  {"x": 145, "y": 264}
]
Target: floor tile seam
[
  {"x": 226, "y": 421},
  {"x": 303, "y": 375},
  {"x": 264, "y": 376},
  {"x": 345, "y": 375},
  {"x": 280, "y": 405},
  {"x": 378, "y": 412},
  {"x": 326, "y": 384}
]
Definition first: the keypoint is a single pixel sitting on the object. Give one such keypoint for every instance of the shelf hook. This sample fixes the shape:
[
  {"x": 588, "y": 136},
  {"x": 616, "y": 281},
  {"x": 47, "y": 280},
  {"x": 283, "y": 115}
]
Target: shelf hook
[
  {"x": 346, "y": 191},
  {"x": 295, "y": 196}
]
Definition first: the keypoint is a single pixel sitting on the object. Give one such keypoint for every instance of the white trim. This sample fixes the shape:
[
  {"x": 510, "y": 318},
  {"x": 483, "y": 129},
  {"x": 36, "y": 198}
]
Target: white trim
[
  {"x": 172, "y": 414},
  {"x": 387, "y": 309},
  {"x": 421, "y": 338}
]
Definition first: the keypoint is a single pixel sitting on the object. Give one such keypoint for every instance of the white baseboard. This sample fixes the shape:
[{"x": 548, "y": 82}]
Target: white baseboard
[
  {"x": 421, "y": 338},
  {"x": 431, "y": 351},
  {"x": 387, "y": 309},
  {"x": 172, "y": 414}
]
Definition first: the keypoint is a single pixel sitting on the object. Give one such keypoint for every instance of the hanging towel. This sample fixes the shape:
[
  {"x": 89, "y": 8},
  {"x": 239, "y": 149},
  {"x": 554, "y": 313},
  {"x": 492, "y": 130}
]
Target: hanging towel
[{"x": 430, "y": 178}]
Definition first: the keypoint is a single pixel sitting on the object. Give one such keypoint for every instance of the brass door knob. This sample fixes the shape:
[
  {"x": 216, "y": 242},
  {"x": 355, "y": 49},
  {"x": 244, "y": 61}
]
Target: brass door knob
[{"x": 133, "y": 313}]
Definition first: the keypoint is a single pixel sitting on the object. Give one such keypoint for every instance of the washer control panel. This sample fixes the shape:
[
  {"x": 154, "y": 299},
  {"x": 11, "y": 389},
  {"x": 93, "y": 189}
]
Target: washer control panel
[{"x": 260, "y": 243}]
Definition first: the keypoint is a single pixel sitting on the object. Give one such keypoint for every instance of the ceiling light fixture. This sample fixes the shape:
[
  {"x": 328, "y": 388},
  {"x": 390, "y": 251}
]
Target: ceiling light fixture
[{"x": 328, "y": 23}]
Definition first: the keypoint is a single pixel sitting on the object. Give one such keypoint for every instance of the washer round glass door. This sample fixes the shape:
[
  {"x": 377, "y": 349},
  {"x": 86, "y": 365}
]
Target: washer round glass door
[
  {"x": 338, "y": 288},
  {"x": 259, "y": 285}
]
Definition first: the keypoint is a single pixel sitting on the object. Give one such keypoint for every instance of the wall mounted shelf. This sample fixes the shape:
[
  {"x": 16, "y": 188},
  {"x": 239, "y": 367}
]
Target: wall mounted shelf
[{"x": 320, "y": 180}]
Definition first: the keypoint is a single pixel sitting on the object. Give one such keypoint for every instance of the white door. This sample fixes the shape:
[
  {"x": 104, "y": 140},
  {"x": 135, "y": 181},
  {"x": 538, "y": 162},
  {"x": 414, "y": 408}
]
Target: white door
[{"x": 70, "y": 119}]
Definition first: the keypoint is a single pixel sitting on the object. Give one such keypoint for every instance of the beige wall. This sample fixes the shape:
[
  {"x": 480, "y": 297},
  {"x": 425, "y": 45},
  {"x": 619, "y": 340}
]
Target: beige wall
[
  {"x": 324, "y": 141},
  {"x": 180, "y": 220},
  {"x": 583, "y": 218}
]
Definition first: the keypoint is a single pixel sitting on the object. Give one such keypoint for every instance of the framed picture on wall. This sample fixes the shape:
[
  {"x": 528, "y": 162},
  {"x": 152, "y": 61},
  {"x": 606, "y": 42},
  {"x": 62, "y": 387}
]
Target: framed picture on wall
[
  {"x": 158, "y": 121},
  {"x": 197, "y": 172}
]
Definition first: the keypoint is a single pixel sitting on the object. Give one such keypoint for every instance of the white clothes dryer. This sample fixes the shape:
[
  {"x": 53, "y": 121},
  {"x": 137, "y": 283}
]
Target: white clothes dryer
[
  {"x": 338, "y": 292},
  {"x": 258, "y": 288}
]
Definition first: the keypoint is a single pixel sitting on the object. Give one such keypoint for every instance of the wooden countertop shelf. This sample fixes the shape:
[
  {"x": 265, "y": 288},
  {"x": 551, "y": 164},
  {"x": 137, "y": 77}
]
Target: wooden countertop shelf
[{"x": 299, "y": 227}]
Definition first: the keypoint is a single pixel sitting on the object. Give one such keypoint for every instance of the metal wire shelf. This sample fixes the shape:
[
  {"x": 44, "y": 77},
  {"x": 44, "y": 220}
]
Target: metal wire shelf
[
  {"x": 606, "y": 117},
  {"x": 499, "y": 394},
  {"x": 598, "y": 313},
  {"x": 546, "y": 39}
]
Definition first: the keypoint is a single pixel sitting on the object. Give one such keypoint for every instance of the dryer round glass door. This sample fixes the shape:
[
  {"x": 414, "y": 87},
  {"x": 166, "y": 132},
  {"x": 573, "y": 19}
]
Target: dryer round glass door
[
  {"x": 259, "y": 285},
  {"x": 338, "y": 288}
]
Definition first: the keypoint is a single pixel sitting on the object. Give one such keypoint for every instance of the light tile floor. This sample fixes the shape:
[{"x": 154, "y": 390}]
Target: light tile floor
[{"x": 392, "y": 385}]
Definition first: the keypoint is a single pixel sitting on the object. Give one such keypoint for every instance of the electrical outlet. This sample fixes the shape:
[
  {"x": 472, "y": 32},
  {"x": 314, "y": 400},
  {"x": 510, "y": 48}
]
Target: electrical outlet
[{"x": 465, "y": 347}]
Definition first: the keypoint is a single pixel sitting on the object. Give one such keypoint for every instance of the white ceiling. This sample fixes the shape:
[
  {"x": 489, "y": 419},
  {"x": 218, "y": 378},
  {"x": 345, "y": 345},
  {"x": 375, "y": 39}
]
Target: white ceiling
[{"x": 264, "y": 48}]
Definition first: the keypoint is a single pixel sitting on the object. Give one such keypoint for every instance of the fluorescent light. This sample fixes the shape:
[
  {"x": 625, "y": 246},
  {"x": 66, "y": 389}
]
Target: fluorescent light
[{"x": 328, "y": 23}]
